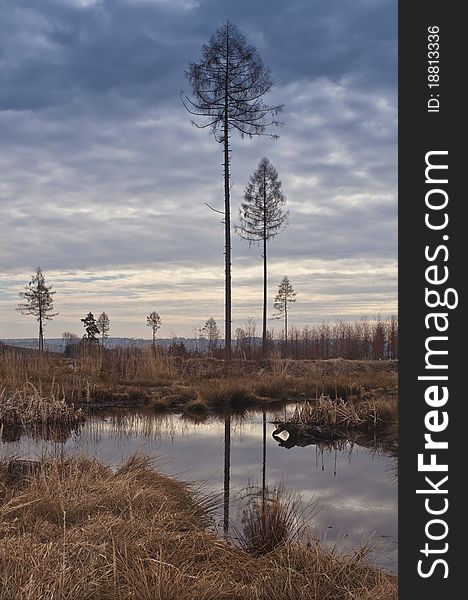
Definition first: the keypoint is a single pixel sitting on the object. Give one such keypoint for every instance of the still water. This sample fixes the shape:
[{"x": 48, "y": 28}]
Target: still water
[{"x": 353, "y": 489}]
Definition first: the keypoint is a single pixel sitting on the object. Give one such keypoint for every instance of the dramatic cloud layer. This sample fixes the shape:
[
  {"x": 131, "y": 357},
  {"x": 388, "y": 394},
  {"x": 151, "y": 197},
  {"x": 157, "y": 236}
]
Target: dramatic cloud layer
[{"x": 103, "y": 178}]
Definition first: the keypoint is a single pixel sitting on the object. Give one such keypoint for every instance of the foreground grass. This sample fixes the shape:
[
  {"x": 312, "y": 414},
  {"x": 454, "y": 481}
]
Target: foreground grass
[{"x": 78, "y": 530}]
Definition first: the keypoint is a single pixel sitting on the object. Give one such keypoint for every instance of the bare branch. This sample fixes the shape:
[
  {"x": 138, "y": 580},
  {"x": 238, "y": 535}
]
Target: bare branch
[{"x": 221, "y": 212}]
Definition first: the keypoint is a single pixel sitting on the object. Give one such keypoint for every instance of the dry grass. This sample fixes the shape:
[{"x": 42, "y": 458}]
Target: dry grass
[
  {"x": 76, "y": 530},
  {"x": 146, "y": 376},
  {"x": 88, "y": 374},
  {"x": 29, "y": 409},
  {"x": 270, "y": 518},
  {"x": 221, "y": 393},
  {"x": 374, "y": 413},
  {"x": 139, "y": 366},
  {"x": 196, "y": 405}
]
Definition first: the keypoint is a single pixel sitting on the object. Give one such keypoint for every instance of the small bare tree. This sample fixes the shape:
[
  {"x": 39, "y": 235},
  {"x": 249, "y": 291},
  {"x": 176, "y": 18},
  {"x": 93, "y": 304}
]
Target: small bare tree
[
  {"x": 240, "y": 336},
  {"x": 228, "y": 85},
  {"x": 103, "y": 323},
  {"x": 246, "y": 338},
  {"x": 69, "y": 340},
  {"x": 38, "y": 301},
  {"x": 153, "y": 320},
  {"x": 262, "y": 218},
  {"x": 68, "y": 336},
  {"x": 285, "y": 295},
  {"x": 211, "y": 333}
]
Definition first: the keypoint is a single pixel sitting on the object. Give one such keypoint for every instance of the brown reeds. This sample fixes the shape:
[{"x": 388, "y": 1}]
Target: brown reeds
[
  {"x": 325, "y": 411},
  {"x": 76, "y": 529},
  {"x": 129, "y": 376},
  {"x": 29, "y": 409}
]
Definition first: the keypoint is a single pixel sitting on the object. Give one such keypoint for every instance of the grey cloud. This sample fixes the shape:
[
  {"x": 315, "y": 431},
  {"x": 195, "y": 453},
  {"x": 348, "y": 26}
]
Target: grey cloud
[{"x": 139, "y": 50}]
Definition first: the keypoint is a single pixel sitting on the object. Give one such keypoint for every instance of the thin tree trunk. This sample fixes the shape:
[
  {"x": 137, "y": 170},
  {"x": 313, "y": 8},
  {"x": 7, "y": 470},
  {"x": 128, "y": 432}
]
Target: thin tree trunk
[
  {"x": 286, "y": 324},
  {"x": 227, "y": 227},
  {"x": 227, "y": 213},
  {"x": 265, "y": 283},
  {"x": 41, "y": 333},
  {"x": 265, "y": 292}
]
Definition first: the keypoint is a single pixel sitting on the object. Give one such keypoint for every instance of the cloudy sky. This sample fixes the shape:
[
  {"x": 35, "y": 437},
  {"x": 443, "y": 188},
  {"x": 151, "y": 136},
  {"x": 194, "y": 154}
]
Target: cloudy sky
[{"x": 103, "y": 179}]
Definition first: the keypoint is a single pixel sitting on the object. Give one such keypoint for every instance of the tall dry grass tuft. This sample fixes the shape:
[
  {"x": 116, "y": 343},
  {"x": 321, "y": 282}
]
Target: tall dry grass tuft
[
  {"x": 76, "y": 529},
  {"x": 278, "y": 365},
  {"x": 17, "y": 368},
  {"x": 270, "y": 518},
  {"x": 144, "y": 366},
  {"x": 221, "y": 393}
]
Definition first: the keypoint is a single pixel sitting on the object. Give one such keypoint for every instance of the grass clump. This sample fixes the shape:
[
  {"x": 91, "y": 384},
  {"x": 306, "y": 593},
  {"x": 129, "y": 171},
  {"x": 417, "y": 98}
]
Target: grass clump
[
  {"x": 270, "y": 518},
  {"x": 227, "y": 393},
  {"x": 196, "y": 405},
  {"x": 30, "y": 409},
  {"x": 377, "y": 413}
]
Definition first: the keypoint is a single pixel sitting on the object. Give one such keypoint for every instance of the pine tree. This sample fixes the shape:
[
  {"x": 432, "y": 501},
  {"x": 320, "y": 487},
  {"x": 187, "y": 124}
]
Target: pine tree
[
  {"x": 39, "y": 302},
  {"x": 153, "y": 320},
  {"x": 285, "y": 295},
  {"x": 228, "y": 85},
  {"x": 92, "y": 330},
  {"x": 262, "y": 218}
]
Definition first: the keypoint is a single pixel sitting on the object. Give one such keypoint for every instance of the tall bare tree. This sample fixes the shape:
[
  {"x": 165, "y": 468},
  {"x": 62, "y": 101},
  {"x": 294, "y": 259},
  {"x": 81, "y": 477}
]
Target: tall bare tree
[
  {"x": 261, "y": 218},
  {"x": 153, "y": 320},
  {"x": 38, "y": 300},
  {"x": 103, "y": 323},
  {"x": 285, "y": 295},
  {"x": 228, "y": 85}
]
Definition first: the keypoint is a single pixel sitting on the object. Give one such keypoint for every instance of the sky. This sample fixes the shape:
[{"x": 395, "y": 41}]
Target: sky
[{"x": 103, "y": 178}]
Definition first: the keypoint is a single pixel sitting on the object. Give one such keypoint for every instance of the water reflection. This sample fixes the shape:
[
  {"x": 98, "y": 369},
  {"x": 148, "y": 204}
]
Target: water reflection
[
  {"x": 227, "y": 471},
  {"x": 264, "y": 457},
  {"x": 352, "y": 483}
]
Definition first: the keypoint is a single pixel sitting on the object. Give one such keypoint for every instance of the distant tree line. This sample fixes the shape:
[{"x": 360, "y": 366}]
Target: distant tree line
[
  {"x": 365, "y": 339},
  {"x": 355, "y": 340}
]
